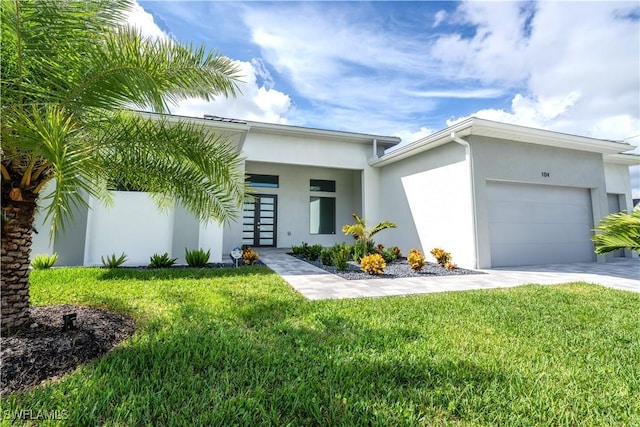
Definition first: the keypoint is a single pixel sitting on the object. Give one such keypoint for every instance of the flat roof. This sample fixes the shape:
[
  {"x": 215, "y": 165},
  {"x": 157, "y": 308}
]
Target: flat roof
[
  {"x": 227, "y": 124},
  {"x": 506, "y": 131}
]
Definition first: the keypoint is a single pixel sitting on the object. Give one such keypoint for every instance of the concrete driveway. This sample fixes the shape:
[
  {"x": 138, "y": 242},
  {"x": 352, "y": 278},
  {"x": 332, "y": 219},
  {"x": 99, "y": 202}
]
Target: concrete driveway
[{"x": 316, "y": 284}]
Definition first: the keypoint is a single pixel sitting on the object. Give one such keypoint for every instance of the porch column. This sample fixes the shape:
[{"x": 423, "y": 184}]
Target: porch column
[{"x": 371, "y": 195}]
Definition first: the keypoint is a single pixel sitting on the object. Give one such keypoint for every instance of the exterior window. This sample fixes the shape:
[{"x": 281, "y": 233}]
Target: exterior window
[
  {"x": 322, "y": 215},
  {"x": 322, "y": 185},
  {"x": 263, "y": 181}
]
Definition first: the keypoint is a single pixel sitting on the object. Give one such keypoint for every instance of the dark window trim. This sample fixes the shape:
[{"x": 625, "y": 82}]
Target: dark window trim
[
  {"x": 324, "y": 185},
  {"x": 257, "y": 180}
]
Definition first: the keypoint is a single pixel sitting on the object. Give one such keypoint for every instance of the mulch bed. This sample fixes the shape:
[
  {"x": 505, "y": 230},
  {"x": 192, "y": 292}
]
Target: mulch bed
[{"x": 43, "y": 352}]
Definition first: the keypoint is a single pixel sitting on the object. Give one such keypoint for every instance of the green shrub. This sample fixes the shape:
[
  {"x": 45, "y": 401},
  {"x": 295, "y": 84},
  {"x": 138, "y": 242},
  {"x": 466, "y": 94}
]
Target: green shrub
[
  {"x": 313, "y": 252},
  {"x": 326, "y": 256},
  {"x": 340, "y": 257},
  {"x": 197, "y": 257},
  {"x": 299, "y": 250},
  {"x": 362, "y": 248},
  {"x": 112, "y": 262},
  {"x": 388, "y": 255},
  {"x": 44, "y": 261},
  {"x": 415, "y": 259},
  {"x": 249, "y": 256},
  {"x": 396, "y": 251},
  {"x": 373, "y": 264},
  {"x": 161, "y": 261}
]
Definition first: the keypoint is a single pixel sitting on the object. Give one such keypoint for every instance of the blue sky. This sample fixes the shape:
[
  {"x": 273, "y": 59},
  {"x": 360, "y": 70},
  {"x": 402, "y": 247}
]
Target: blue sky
[{"x": 412, "y": 68}]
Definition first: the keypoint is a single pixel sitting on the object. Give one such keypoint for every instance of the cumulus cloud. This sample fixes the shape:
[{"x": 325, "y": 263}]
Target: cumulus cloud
[
  {"x": 257, "y": 100},
  {"x": 579, "y": 77},
  {"x": 144, "y": 21}
]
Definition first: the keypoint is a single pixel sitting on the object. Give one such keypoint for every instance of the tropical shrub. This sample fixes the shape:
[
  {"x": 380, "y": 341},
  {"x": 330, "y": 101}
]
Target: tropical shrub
[
  {"x": 396, "y": 251},
  {"x": 373, "y": 264},
  {"x": 389, "y": 255},
  {"x": 112, "y": 261},
  {"x": 197, "y": 257},
  {"x": 326, "y": 256},
  {"x": 249, "y": 256},
  {"x": 340, "y": 257},
  {"x": 415, "y": 259},
  {"x": 618, "y": 231},
  {"x": 161, "y": 261},
  {"x": 313, "y": 252},
  {"x": 442, "y": 257},
  {"x": 44, "y": 261}
]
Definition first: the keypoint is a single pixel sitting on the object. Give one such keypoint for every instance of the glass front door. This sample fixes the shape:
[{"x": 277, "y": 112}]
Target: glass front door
[{"x": 259, "y": 220}]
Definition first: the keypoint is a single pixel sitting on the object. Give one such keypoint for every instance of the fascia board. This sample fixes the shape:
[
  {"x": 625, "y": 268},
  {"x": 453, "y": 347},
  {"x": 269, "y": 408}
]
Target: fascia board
[
  {"x": 545, "y": 137},
  {"x": 623, "y": 159},
  {"x": 235, "y": 132},
  {"x": 269, "y": 128},
  {"x": 427, "y": 143}
]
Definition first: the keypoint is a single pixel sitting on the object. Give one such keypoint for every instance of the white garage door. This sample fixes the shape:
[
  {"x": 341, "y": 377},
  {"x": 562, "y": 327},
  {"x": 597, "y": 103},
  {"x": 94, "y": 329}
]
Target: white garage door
[{"x": 539, "y": 224}]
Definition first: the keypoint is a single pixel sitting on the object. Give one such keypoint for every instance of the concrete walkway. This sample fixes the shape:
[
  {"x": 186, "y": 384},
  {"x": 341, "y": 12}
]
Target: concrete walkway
[{"x": 316, "y": 284}]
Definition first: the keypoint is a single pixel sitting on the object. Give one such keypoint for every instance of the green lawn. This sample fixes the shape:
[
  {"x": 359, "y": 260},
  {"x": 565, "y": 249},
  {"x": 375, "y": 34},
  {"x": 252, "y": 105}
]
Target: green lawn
[{"x": 240, "y": 347}]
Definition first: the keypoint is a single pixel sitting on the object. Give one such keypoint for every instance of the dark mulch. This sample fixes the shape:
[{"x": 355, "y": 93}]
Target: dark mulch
[
  {"x": 394, "y": 270},
  {"x": 37, "y": 354}
]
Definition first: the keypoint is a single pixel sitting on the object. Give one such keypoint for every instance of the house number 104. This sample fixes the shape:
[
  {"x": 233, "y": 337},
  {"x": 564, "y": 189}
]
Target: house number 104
[{"x": 545, "y": 174}]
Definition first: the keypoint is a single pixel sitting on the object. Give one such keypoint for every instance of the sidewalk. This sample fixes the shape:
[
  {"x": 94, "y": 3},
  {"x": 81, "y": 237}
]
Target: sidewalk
[{"x": 316, "y": 284}]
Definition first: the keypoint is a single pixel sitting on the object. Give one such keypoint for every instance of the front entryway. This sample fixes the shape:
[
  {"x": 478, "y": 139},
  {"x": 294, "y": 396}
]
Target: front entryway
[{"x": 259, "y": 220}]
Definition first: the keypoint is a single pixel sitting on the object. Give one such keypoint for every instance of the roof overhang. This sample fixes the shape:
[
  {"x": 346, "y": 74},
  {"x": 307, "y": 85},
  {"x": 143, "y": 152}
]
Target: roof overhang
[
  {"x": 509, "y": 132},
  {"x": 627, "y": 159},
  {"x": 232, "y": 127}
]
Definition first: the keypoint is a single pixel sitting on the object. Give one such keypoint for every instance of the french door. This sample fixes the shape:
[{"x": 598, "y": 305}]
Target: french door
[{"x": 259, "y": 220}]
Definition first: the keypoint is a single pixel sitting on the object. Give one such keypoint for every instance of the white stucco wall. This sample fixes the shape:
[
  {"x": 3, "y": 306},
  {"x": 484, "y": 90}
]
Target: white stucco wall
[
  {"x": 293, "y": 202},
  {"x": 618, "y": 181},
  {"x": 500, "y": 160},
  {"x": 429, "y": 197},
  {"x": 133, "y": 225}
]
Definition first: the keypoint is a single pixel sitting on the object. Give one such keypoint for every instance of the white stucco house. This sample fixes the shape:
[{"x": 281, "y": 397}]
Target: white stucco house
[{"x": 492, "y": 194}]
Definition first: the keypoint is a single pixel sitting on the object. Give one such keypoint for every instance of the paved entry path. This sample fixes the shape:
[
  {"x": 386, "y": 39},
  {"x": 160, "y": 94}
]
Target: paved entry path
[{"x": 315, "y": 283}]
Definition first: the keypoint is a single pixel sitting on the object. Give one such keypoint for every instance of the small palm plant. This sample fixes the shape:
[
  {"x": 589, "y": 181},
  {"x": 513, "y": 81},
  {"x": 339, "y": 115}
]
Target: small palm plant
[
  {"x": 363, "y": 234},
  {"x": 618, "y": 231},
  {"x": 44, "y": 261},
  {"x": 112, "y": 261},
  {"x": 197, "y": 257}
]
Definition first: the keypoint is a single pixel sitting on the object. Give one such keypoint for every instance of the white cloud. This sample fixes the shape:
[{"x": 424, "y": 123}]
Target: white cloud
[
  {"x": 256, "y": 101},
  {"x": 439, "y": 17},
  {"x": 144, "y": 21},
  {"x": 580, "y": 78},
  {"x": 342, "y": 63}
]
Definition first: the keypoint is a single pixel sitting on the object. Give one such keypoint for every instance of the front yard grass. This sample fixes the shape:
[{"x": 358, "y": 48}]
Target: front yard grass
[{"x": 240, "y": 347}]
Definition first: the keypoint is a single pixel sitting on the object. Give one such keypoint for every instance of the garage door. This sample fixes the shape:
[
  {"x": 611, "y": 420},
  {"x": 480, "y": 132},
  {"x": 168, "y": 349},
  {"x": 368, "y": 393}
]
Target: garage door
[{"x": 539, "y": 224}]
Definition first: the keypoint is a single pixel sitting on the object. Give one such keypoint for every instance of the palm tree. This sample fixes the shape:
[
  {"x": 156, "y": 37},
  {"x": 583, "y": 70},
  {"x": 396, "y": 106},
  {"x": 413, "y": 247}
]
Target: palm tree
[
  {"x": 72, "y": 76},
  {"x": 618, "y": 231},
  {"x": 363, "y": 234}
]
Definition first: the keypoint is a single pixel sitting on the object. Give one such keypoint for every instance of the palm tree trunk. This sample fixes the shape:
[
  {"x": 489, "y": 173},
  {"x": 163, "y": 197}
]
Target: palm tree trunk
[{"x": 17, "y": 222}]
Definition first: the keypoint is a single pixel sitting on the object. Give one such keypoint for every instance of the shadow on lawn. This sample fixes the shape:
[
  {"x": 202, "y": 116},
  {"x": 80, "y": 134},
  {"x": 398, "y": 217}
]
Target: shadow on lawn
[
  {"x": 269, "y": 364},
  {"x": 181, "y": 273}
]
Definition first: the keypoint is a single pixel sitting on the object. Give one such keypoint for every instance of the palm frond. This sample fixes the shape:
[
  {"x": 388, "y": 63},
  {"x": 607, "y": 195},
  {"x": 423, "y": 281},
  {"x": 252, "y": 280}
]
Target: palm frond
[
  {"x": 381, "y": 226},
  {"x": 618, "y": 231},
  {"x": 181, "y": 160}
]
